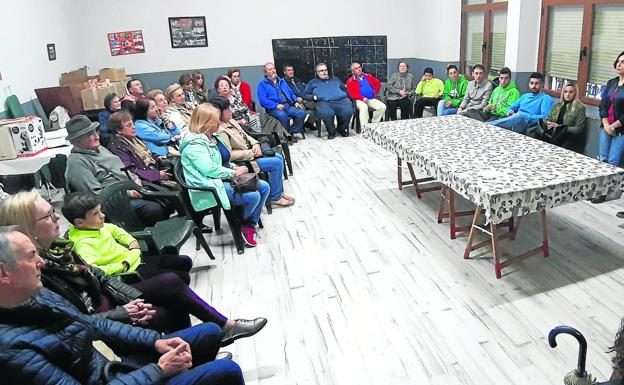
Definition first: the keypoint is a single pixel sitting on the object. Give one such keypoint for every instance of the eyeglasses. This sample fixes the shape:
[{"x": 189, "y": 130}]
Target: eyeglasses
[{"x": 51, "y": 214}]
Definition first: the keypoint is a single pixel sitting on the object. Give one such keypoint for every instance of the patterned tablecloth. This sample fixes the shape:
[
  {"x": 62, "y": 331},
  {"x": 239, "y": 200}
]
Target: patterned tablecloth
[{"x": 506, "y": 173}]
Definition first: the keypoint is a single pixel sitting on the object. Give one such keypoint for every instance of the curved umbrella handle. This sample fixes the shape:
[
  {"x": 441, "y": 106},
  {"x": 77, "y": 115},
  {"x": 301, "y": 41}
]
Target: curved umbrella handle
[{"x": 580, "y": 366}]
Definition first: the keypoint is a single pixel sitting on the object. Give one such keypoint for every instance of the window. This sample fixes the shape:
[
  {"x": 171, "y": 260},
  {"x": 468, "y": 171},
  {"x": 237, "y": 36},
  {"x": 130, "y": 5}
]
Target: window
[
  {"x": 484, "y": 35},
  {"x": 579, "y": 40}
]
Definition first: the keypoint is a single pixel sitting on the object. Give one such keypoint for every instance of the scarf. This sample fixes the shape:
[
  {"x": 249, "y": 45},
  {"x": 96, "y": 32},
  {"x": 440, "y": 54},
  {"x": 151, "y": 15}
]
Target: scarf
[
  {"x": 185, "y": 112},
  {"x": 562, "y": 112},
  {"x": 139, "y": 149}
]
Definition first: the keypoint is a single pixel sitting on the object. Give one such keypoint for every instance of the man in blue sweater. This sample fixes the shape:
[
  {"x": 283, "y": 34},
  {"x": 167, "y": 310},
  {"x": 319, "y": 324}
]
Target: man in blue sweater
[
  {"x": 530, "y": 108},
  {"x": 278, "y": 99},
  {"x": 330, "y": 95}
]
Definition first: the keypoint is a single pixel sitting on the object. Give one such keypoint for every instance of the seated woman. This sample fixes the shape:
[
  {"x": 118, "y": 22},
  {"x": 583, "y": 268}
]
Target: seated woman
[
  {"x": 244, "y": 147},
  {"x": 177, "y": 109},
  {"x": 186, "y": 82},
  {"x": 131, "y": 150},
  {"x": 205, "y": 159},
  {"x": 250, "y": 120},
  {"x": 112, "y": 104},
  {"x": 199, "y": 90},
  {"x": 399, "y": 89},
  {"x": 151, "y": 130},
  {"x": 565, "y": 125},
  {"x": 162, "y": 107},
  {"x": 161, "y": 303}
]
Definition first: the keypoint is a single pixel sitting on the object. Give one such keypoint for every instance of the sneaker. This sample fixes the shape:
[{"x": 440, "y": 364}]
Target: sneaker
[
  {"x": 224, "y": 356},
  {"x": 599, "y": 199},
  {"x": 249, "y": 236},
  {"x": 620, "y": 214},
  {"x": 297, "y": 136},
  {"x": 243, "y": 328}
]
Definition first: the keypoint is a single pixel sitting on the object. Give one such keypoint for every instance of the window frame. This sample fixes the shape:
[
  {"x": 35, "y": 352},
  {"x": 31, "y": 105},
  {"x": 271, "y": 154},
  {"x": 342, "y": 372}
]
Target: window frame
[
  {"x": 585, "y": 45},
  {"x": 486, "y": 10}
]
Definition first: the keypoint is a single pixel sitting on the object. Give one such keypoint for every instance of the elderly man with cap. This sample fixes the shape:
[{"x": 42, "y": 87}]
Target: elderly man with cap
[
  {"x": 46, "y": 340},
  {"x": 91, "y": 167}
]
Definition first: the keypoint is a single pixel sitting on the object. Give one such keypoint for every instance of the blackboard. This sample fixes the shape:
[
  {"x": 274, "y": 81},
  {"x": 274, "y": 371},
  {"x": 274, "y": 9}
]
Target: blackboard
[{"x": 337, "y": 52}]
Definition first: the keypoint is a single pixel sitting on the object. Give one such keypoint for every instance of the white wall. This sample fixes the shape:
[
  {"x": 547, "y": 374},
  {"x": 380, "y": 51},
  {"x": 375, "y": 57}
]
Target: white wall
[
  {"x": 241, "y": 35},
  {"x": 27, "y": 26},
  {"x": 438, "y": 29}
]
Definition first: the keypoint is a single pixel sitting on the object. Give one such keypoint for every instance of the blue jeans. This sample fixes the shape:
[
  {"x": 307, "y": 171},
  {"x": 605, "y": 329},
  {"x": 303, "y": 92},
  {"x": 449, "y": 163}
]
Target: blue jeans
[
  {"x": 517, "y": 122},
  {"x": 341, "y": 109},
  {"x": 611, "y": 148},
  {"x": 205, "y": 340},
  {"x": 274, "y": 166},
  {"x": 251, "y": 201},
  {"x": 284, "y": 116},
  {"x": 442, "y": 110}
]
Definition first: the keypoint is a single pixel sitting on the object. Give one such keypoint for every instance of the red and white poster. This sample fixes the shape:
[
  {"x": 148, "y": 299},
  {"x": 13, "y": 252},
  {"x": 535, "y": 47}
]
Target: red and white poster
[{"x": 126, "y": 43}]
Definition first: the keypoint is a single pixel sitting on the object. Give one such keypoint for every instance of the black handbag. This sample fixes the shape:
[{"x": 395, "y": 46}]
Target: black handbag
[{"x": 246, "y": 182}]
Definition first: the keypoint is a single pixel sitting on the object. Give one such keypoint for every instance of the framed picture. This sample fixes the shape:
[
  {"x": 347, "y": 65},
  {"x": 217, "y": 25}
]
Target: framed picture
[
  {"x": 187, "y": 32},
  {"x": 126, "y": 43}
]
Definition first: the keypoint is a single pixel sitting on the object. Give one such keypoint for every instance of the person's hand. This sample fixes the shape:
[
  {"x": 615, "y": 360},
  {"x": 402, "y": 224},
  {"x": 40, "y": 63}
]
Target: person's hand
[
  {"x": 139, "y": 312},
  {"x": 242, "y": 122},
  {"x": 240, "y": 170},
  {"x": 448, "y": 104},
  {"x": 298, "y": 105},
  {"x": 130, "y": 98},
  {"x": 134, "y": 194},
  {"x": 511, "y": 112},
  {"x": 365, "y": 100},
  {"x": 423, "y": 77},
  {"x": 460, "y": 110},
  {"x": 165, "y": 345},
  {"x": 280, "y": 107},
  {"x": 170, "y": 125},
  {"x": 551, "y": 125},
  {"x": 402, "y": 93},
  {"x": 176, "y": 138},
  {"x": 164, "y": 175},
  {"x": 609, "y": 130},
  {"x": 488, "y": 108},
  {"x": 257, "y": 150},
  {"x": 176, "y": 360}
]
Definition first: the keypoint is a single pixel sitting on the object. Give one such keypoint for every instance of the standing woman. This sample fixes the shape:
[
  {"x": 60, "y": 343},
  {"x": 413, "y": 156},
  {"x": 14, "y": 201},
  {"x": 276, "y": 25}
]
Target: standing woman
[
  {"x": 611, "y": 111},
  {"x": 201, "y": 95},
  {"x": 206, "y": 163},
  {"x": 399, "y": 90}
]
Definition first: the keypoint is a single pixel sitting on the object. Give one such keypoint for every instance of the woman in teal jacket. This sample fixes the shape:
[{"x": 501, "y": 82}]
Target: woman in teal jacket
[{"x": 206, "y": 163}]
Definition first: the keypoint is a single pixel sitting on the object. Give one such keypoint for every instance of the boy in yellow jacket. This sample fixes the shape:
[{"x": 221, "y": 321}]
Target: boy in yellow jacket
[{"x": 431, "y": 90}]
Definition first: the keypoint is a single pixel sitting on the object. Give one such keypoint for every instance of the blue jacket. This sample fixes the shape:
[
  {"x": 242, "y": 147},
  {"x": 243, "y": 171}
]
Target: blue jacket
[
  {"x": 154, "y": 136},
  {"x": 536, "y": 106},
  {"x": 47, "y": 341},
  {"x": 296, "y": 86},
  {"x": 269, "y": 97},
  {"x": 329, "y": 90}
]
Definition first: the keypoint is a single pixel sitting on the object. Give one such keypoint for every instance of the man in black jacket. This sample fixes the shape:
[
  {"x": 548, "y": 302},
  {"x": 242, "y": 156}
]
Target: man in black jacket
[{"x": 45, "y": 340}]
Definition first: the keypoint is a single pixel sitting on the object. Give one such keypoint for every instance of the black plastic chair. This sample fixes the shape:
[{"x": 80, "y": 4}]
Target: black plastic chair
[
  {"x": 160, "y": 238},
  {"x": 233, "y": 215},
  {"x": 278, "y": 146}
]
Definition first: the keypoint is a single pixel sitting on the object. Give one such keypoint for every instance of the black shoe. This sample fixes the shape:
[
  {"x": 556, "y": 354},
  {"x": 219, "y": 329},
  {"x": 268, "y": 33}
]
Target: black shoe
[
  {"x": 224, "y": 356},
  {"x": 344, "y": 134},
  {"x": 331, "y": 136},
  {"x": 620, "y": 214},
  {"x": 242, "y": 328},
  {"x": 310, "y": 126},
  {"x": 599, "y": 199}
]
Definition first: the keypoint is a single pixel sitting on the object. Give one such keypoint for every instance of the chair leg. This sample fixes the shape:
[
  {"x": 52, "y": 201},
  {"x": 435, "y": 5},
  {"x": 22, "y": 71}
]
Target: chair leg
[
  {"x": 286, "y": 150},
  {"x": 235, "y": 227},
  {"x": 318, "y": 125},
  {"x": 216, "y": 218},
  {"x": 200, "y": 240}
]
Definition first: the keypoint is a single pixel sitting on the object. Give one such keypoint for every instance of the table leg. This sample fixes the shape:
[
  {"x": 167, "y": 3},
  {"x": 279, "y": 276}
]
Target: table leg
[
  {"x": 545, "y": 247},
  {"x": 473, "y": 229},
  {"x": 442, "y": 206},
  {"x": 497, "y": 265},
  {"x": 400, "y": 173}
]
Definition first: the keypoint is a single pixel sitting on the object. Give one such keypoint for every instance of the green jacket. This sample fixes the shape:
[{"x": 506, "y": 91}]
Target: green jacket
[
  {"x": 455, "y": 92},
  {"x": 430, "y": 88},
  {"x": 502, "y": 98},
  {"x": 574, "y": 116},
  {"x": 203, "y": 167},
  {"x": 105, "y": 248}
]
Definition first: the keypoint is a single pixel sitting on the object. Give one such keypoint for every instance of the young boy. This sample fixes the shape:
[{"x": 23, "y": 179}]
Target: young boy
[{"x": 111, "y": 248}]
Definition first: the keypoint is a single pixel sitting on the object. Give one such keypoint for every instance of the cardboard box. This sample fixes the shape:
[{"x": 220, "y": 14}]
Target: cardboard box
[
  {"x": 113, "y": 74},
  {"x": 7, "y": 147},
  {"x": 28, "y": 135},
  {"x": 74, "y": 77},
  {"x": 93, "y": 98}
]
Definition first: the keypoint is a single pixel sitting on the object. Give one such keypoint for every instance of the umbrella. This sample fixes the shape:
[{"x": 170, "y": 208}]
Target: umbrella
[{"x": 578, "y": 376}]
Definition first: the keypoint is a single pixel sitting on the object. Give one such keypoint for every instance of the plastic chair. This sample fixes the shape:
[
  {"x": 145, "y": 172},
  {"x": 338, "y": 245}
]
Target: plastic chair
[
  {"x": 164, "y": 235},
  {"x": 231, "y": 215}
]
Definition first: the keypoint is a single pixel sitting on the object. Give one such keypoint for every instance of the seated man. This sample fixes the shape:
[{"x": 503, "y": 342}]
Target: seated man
[
  {"x": 330, "y": 95},
  {"x": 363, "y": 88},
  {"x": 297, "y": 86},
  {"x": 91, "y": 167},
  {"x": 280, "y": 102},
  {"x": 430, "y": 89},
  {"x": 46, "y": 340},
  {"x": 530, "y": 108},
  {"x": 502, "y": 97},
  {"x": 135, "y": 90},
  {"x": 478, "y": 91}
]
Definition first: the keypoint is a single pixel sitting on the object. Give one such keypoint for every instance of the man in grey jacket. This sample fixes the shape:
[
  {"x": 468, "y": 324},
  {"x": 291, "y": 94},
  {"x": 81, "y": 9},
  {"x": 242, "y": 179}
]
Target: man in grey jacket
[
  {"x": 91, "y": 167},
  {"x": 478, "y": 92}
]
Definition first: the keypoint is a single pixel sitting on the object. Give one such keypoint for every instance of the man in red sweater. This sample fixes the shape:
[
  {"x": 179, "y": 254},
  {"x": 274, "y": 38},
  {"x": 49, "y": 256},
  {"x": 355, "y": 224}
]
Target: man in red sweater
[{"x": 363, "y": 88}]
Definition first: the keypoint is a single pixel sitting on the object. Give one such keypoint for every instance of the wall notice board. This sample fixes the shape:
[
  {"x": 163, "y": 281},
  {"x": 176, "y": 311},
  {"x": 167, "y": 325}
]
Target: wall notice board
[{"x": 337, "y": 52}]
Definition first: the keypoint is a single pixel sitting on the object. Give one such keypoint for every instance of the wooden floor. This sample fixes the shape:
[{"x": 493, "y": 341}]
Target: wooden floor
[{"x": 361, "y": 285}]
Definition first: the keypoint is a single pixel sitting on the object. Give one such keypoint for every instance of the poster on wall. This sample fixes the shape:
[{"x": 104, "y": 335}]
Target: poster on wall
[
  {"x": 126, "y": 43},
  {"x": 188, "y": 32}
]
